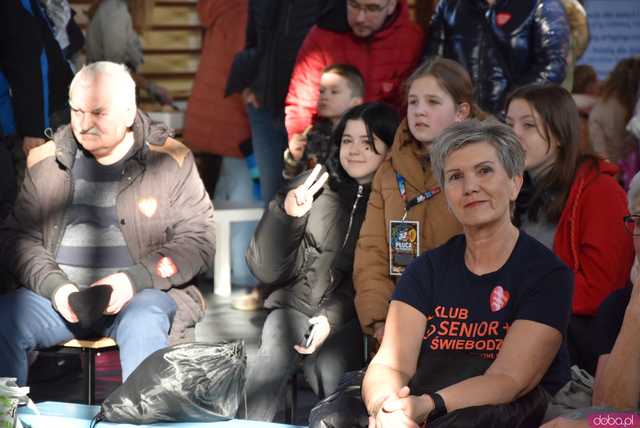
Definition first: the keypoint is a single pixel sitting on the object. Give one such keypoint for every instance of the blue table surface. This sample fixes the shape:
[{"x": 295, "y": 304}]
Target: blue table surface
[{"x": 55, "y": 414}]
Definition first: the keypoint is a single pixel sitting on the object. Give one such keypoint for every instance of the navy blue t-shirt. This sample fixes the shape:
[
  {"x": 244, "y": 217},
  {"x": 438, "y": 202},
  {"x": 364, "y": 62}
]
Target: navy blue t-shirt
[
  {"x": 610, "y": 318},
  {"x": 468, "y": 315}
]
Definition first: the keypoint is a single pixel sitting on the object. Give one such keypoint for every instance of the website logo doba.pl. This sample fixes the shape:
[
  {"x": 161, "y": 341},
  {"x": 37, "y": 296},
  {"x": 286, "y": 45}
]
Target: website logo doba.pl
[{"x": 614, "y": 420}]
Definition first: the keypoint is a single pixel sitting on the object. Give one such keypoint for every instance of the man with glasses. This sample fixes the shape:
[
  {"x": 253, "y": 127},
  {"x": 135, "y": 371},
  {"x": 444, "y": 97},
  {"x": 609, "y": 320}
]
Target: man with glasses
[
  {"x": 366, "y": 18},
  {"x": 375, "y": 36}
]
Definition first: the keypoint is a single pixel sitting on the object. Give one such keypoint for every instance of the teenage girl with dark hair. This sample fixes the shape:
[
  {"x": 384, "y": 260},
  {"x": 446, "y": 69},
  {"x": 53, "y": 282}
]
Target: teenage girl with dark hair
[{"x": 303, "y": 250}]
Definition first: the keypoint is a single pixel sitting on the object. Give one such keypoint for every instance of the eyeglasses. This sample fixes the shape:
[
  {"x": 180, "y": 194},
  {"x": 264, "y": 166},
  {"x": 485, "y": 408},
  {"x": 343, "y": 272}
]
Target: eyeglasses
[
  {"x": 367, "y": 9},
  {"x": 632, "y": 224}
]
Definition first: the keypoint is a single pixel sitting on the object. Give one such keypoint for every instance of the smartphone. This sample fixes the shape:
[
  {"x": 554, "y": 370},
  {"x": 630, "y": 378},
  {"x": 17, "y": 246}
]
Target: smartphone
[{"x": 310, "y": 337}]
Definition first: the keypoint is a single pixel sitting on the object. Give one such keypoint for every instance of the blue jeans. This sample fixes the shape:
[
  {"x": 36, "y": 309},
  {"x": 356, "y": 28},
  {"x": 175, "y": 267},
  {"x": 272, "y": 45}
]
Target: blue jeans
[
  {"x": 269, "y": 139},
  {"x": 29, "y": 322},
  {"x": 276, "y": 361}
]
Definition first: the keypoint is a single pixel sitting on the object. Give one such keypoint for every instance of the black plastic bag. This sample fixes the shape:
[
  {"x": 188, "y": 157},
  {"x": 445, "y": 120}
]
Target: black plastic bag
[
  {"x": 344, "y": 408},
  {"x": 192, "y": 382}
]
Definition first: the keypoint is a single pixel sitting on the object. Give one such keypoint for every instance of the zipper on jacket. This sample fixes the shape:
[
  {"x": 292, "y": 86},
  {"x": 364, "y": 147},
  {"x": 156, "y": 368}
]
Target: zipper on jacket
[
  {"x": 127, "y": 180},
  {"x": 353, "y": 212},
  {"x": 287, "y": 22},
  {"x": 62, "y": 227},
  {"x": 333, "y": 285}
]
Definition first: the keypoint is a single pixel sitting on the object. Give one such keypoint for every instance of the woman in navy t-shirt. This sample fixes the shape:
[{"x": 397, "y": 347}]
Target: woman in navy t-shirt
[{"x": 474, "y": 335}]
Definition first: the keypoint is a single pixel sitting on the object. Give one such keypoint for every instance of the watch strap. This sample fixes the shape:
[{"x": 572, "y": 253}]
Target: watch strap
[{"x": 439, "y": 406}]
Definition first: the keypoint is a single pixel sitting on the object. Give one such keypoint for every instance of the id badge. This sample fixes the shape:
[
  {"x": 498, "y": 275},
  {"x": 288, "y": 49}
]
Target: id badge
[{"x": 404, "y": 245}]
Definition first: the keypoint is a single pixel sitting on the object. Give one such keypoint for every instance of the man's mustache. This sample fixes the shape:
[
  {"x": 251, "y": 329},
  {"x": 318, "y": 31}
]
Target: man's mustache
[{"x": 90, "y": 131}]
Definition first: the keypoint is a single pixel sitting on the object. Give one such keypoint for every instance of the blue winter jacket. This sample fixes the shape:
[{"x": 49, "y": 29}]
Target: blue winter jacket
[
  {"x": 34, "y": 66},
  {"x": 510, "y": 44},
  {"x": 7, "y": 121}
]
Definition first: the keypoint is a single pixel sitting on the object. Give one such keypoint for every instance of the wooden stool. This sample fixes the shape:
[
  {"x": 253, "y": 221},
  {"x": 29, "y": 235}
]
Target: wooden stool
[{"x": 88, "y": 350}]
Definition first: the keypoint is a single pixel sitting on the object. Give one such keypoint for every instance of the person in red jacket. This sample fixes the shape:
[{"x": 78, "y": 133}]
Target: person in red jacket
[
  {"x": 573, "y": 205},
  {"x": 215, "y": 125},
  {"x": 380, "y": 40}
]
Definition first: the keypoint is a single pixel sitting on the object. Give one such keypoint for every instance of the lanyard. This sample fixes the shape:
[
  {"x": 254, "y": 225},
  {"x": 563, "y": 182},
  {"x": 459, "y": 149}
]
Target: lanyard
[{"x": 415, "y": 201}]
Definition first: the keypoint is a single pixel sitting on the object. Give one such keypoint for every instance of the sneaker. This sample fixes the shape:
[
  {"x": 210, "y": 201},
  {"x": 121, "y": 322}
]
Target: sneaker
[{"x": 251, "y": 301}]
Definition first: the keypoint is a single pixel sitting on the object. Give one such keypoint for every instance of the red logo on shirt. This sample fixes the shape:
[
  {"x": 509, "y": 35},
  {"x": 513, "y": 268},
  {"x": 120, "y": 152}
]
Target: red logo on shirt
[
  {"x": 431, "y": 330},
  {"x": 502, "y": 18},
  {"x": 499, "y": 298}
]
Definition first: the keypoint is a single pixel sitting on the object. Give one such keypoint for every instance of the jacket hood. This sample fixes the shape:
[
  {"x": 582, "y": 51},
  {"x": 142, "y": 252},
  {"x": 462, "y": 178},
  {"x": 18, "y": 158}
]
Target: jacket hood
[
  {"x": 406, "y": 156},
  {"x": 65, "y": 150},
  {"x": 578, "y": 25},
  {"x": 590, "y": 169},
  {"x": 335, "y": 19},
  {"x": 144, "y": 130}
]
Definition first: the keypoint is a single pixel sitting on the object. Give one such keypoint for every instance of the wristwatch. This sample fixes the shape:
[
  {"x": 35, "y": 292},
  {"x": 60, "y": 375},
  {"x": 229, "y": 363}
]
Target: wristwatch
[{"x": 439, "y": 407}]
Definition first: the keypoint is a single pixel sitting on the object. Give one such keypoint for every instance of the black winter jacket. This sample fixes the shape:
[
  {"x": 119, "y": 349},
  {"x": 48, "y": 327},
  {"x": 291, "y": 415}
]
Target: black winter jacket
[
  {"x": 275, "y": 31},
  {"x": 35, "y": 67},
  {"x": 511, "y": 44},
  {"x": 308, "y": 261}
]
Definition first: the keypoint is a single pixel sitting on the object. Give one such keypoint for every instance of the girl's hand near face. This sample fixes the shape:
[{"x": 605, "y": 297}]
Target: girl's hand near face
[
  {"x": 297, "y": 144},
  {"x": 299, "y": 200}
]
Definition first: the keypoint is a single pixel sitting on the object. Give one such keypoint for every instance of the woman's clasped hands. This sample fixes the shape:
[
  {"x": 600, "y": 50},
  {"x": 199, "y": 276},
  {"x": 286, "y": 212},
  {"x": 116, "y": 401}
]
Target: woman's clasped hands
[{"x": 402, "y": 410}]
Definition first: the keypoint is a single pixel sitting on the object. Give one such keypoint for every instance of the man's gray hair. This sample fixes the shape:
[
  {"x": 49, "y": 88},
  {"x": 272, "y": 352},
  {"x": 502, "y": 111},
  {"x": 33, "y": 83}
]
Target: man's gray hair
[
  {"x": 118, "y": 73},
  {"x": 501, "y": 137}
]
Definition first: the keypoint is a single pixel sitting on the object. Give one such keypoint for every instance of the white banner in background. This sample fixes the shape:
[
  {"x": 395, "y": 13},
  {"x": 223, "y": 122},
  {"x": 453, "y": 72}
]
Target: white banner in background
[{"x": 615, "y": 33}]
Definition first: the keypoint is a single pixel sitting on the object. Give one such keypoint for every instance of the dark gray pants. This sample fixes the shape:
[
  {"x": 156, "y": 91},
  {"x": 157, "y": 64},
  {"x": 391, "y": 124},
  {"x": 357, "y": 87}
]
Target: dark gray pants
[{"x": 276, "y": 361}]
